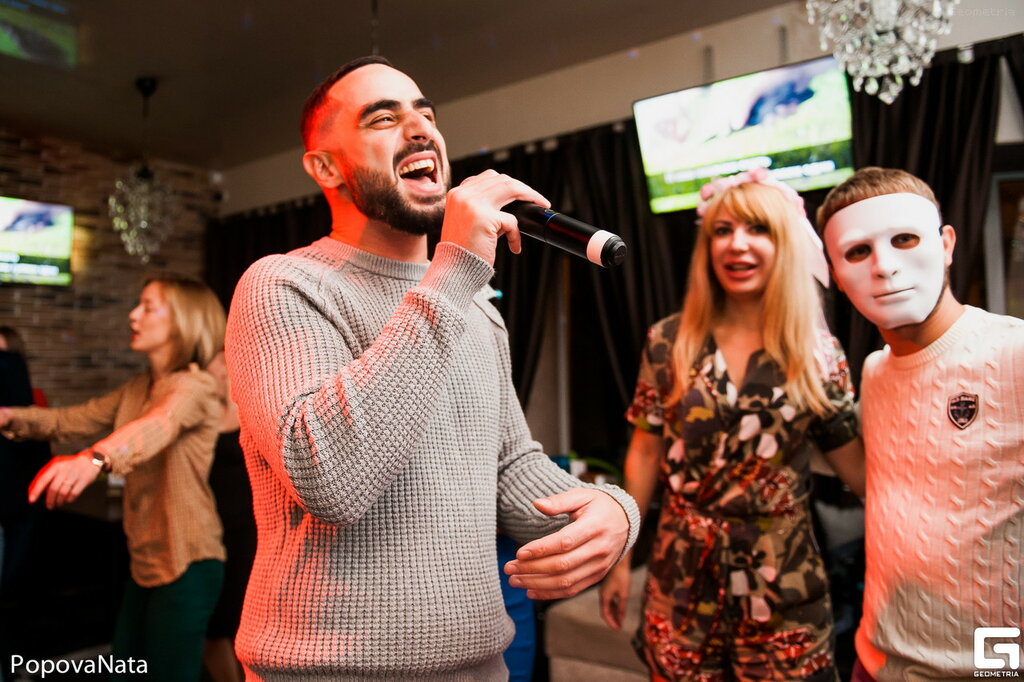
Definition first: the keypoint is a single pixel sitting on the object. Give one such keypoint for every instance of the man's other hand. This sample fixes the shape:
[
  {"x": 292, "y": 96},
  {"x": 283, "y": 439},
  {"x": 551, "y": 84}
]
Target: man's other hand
[{"x": 577, "y": 556}]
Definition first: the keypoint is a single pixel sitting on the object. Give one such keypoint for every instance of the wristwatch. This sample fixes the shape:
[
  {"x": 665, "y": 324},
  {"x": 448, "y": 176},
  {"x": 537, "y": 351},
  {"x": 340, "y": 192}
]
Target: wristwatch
[{"x": 100, "y": 460}]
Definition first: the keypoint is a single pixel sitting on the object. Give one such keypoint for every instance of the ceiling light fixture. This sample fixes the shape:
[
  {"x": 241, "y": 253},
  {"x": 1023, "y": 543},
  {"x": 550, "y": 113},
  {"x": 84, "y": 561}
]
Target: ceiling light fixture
[
  {"x": 374, "y": 28},
  {"x": 140, "y": 207},
  {"x": 882, "y": 43}
]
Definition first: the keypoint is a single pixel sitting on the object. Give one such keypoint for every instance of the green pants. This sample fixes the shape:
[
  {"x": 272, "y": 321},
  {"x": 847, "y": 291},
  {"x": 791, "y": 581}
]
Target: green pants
[{"x": 165, "y": 626}]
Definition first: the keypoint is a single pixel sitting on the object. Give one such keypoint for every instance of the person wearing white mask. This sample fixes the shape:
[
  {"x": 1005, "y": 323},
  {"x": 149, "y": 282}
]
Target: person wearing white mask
[{"x": 943, "y": 423}]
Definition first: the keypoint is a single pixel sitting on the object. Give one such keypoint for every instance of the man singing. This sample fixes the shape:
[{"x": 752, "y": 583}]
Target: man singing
[{"x": 383, "y": 437}]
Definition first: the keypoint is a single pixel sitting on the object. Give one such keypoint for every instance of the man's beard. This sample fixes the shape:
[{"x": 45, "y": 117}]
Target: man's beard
[{"x": 377, "y": 197}]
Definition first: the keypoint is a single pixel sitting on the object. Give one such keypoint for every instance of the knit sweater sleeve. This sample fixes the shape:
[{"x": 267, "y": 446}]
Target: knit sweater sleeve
[
  {"x": 335, "y": 424},
  {"x": 66, "y": 423},
  {"x": 526, "y": 473},
  {"x": 180, "y": 401}
]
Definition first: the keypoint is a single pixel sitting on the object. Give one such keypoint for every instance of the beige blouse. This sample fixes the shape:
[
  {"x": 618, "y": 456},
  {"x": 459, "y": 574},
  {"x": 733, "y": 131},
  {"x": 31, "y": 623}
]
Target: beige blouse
[{"x": 163, "y": 442}]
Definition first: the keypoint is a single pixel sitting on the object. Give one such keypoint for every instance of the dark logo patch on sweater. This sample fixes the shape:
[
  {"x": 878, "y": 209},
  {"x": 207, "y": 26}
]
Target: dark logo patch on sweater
[{"x": 962, "y": 408}]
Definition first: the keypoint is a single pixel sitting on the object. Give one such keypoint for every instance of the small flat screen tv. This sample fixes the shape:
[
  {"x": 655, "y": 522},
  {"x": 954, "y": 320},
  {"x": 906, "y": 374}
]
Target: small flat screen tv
[
  {"x": 41, "y": 31},
  {"x": 35, "y": 242},
  {"x": 793, "y": 120}
]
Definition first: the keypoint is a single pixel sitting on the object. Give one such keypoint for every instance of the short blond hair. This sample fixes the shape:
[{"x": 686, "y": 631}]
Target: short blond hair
[
  {"x": 871, "y": 181},
  {"x": 197, "y": 319}
]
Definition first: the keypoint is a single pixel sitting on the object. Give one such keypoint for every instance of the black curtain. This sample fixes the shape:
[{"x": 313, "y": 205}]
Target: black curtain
[
  {"x": 594, "y": 175},
  {"x": 1014, "y": 50},
  {"x": 527, "y": 282},
  {"x": 612, "y": 308},
  {"x": 236, "y": 241},
  {"x": 942, "y": 131}
]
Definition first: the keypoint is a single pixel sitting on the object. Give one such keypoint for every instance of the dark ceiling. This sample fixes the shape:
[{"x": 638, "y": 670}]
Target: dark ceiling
[{"x": 233, "y": 73}]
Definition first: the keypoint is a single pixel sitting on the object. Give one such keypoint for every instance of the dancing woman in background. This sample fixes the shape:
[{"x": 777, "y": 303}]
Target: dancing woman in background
[
  {"x": 731, "y": 392},
  {"x": 164, "y": 428}
]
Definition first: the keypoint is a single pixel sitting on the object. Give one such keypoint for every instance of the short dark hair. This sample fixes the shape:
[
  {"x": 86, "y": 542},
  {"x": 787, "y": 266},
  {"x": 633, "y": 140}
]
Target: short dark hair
[
  {"x": 316, "y": 99},
  {"x": 868, "y": 182}
]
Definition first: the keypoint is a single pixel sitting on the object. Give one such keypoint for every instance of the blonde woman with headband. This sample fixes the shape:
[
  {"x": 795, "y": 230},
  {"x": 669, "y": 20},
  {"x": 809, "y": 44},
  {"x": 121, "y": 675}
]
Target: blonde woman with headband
[
  {"x": 732, "y": 392},
  {"x": 164, "y": 427}
]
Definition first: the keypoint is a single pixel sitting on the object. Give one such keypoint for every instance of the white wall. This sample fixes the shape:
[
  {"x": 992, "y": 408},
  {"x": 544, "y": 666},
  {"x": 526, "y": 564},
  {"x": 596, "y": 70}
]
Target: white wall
[{"x": 603, "y": 90}]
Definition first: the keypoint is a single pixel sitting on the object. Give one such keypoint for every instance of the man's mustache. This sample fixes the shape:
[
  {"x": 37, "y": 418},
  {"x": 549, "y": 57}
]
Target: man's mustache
[{"x": 415, "y": 148}]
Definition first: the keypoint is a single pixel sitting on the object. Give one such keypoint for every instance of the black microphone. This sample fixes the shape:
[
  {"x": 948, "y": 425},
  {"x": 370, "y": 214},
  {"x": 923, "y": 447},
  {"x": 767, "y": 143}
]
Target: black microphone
[{"x": 557, "y": 229}]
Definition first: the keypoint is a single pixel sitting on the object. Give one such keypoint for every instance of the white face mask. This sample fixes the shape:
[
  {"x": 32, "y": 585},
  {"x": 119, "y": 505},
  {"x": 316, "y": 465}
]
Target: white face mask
[{"x": 888, "y": 256}]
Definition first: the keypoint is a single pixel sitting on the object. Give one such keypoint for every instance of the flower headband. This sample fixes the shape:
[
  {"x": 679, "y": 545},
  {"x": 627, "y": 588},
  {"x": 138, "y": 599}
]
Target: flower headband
[{"x": 819, "y": 267}]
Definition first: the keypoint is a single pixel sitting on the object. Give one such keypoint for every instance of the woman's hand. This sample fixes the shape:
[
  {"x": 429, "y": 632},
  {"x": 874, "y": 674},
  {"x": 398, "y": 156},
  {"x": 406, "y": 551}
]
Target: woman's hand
[
  {"x": 848, "y": 462},
  {"x": 614, "y": 593},
  {"x": 63, "y": 479},
  {"x": 5, "y": 417}
]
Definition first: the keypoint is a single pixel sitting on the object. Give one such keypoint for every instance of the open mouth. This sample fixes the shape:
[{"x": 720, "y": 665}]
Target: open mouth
[
  {"x": 740, "y": 267},
  {"x": 421, "y": 172}
]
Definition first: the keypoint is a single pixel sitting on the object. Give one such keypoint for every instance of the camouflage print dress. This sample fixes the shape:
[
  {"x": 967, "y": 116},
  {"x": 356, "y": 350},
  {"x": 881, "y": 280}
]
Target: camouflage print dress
[{"x": 737, "y": 588}]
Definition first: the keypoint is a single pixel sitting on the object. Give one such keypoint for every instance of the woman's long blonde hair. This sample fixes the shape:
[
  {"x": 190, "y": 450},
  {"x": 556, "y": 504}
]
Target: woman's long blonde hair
[
  {"x": 197, "y": 319},
  {"x": 791, "y": 312}
]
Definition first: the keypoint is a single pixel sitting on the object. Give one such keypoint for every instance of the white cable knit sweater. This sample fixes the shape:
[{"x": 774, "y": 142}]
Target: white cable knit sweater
[
  {"x": 945, "y": 506},
  {"x": 385, "y": 445}
]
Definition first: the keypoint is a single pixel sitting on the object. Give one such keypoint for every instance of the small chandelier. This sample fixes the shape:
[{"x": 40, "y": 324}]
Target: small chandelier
[
  {"x": 140, "y": 207},
  {"x": 882, "y": 42}
]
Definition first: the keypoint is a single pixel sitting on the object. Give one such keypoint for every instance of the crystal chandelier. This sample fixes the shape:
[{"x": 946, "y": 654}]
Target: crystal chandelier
[
  {"x": 882, "y": 42},
  {"x": 140, "y": 207}
]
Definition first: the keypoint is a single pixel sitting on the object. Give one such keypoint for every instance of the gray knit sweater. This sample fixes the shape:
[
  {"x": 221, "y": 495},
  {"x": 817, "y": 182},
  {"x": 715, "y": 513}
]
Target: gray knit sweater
[{"x": 385, "y": 445}]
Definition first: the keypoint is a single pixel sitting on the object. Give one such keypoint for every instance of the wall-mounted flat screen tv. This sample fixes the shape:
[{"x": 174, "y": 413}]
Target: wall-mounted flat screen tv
[
  {"x": 793, "y": 120},
  {"x": 35, "y": 242},
  {"x": 41, "y": 31}
]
